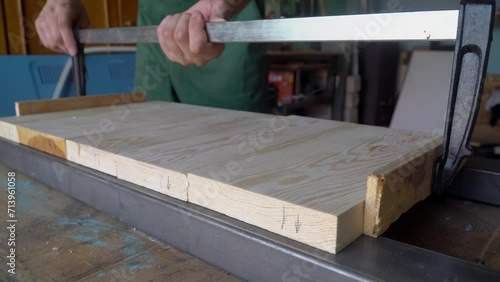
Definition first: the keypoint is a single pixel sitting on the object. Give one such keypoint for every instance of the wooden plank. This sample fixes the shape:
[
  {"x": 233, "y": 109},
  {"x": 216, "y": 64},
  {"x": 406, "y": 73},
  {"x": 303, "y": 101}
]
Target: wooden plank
[
  {"x": 43, "y": 142},
  {"x": 48, "y": 132},
  {"x": 161, "y": 155},
  {"x": 311, "y": 191},
  {"x": 75, "y": 103},
  {"x": 155, "y": 148},
  {"x": 100, "y": 151},
  {"x": 114, "y": 15},
  {"x": 79, "y": 115},
  {"x": 31, "y": 10},
  {"x": 122, "y": 13},
  {"x": 98, "y": 13},
  {"x": 9, "y": 131},
  {"x": 395, "y": 188},
  {"x": 128, "y": 12},
  {"x": 164, "y": 165},
  {"x": 3, "y": 33},
  {"x": 302, "y": 178},
  {"x": 15, "y": 27}
]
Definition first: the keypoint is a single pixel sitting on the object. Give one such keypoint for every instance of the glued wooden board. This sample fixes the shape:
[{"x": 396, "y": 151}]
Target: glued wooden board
[
  {"x": 160, "y": 156},
  {"x": 302, "y": 178},
  {"x": 48, "y": 132},
  {"x": 311, "y": 186}
]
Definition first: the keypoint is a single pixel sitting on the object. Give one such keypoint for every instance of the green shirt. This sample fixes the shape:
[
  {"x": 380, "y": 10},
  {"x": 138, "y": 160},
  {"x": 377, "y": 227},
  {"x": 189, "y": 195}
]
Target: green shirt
[{"x": 232, "y": 81}]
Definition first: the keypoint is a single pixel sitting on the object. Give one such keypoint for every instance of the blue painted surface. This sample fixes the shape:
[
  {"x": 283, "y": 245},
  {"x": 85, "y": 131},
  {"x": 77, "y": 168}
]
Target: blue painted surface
[
  {"x": 35, "y": 77},
  {"x": 130, "y": 239},
  {"x": 144, "y": 261},
  {"x": 25, "y": 194},
  {"x": 106, "y": 272},
  {"x": 88, "y": 230},
  {"x": 133, "y": 245},
  {"x": 90, "y": 240}
]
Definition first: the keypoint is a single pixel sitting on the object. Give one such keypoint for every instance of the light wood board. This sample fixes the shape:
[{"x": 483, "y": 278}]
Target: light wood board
[
  {"x": 48, "y": 132},
  {"x": 76, "y": 103},
  {"x": 303, "y": 178}
]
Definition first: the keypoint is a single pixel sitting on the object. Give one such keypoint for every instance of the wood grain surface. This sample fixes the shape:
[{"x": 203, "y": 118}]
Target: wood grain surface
[
  {"x": 48, "y": 132},
  {"x": 394, "y": 189},
  {"x": 303, "y": 178},
  {"x": 76, "y": 103}
]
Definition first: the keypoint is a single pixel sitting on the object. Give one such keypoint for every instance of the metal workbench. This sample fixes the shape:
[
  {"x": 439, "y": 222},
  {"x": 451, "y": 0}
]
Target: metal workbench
[{"x": 244, "y": 250}]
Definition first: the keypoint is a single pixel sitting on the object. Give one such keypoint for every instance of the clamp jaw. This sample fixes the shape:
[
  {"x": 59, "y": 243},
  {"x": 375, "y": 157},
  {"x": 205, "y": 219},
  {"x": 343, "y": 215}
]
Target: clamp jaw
[{"x": 472, "y": 48}]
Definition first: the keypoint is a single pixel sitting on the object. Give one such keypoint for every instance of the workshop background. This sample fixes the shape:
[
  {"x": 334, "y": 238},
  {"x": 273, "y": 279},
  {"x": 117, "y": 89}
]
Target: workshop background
[{"x": 360, "y": 83}]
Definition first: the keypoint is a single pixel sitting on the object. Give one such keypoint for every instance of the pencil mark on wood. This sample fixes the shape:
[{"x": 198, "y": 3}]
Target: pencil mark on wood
[
  {"x": 284, "y": 218},
  {"x": 297, "y": 224},
  {"x": 162, "y": 182},
  {"x": 97, "y": 160}
]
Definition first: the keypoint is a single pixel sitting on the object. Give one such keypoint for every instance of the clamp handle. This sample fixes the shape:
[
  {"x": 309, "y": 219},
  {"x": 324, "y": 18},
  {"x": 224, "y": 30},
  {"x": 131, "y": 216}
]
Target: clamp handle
[
  {"x": 79, "y": 67},
  {"x": 474, "y": 36}
]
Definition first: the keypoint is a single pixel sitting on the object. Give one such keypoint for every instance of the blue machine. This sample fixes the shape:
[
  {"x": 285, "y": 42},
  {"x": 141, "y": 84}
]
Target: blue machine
[{"x": 35, "y": 77}]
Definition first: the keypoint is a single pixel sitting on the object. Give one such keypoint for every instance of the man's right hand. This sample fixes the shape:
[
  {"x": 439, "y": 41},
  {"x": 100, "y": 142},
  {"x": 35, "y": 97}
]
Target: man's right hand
[{"x": 56, "y": 22}]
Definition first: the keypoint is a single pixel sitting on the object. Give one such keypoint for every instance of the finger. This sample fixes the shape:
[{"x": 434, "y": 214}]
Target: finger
[
  {"x": 41, "y": 33},
  {"x": 66, "y": 33},
  {"x": 202, "y": 50},
  {"x": 59, "y": 50},
  {"x": 169, "y": 46},
  {"x": 181, "y": 35},
  {"x": 54, "y": 38}
]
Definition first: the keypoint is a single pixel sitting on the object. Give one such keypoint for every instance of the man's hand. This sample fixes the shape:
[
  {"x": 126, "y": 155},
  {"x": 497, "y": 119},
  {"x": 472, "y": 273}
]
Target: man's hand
[
  {"x": 183, "y": 37},
  {"x": 56, "y": 21}
]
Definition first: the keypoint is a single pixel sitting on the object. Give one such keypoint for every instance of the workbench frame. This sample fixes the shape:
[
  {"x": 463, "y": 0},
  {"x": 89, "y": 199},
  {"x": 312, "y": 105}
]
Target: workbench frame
[{"x": 244, "y": 250}]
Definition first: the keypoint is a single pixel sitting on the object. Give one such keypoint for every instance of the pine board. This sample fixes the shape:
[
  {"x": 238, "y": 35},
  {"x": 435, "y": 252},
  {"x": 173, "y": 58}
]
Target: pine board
[
  {"x": 159, "y": 157},
  {"x": 303, "y": 178},
  {"x": 311, "y": 190},
  {"x": 48, "y": 132},
  {"x": 76, "y": 103}
]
